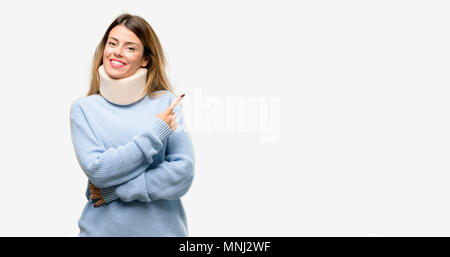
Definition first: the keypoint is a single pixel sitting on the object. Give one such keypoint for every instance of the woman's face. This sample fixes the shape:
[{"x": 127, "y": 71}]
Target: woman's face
[{"x": 126, "y": 49}]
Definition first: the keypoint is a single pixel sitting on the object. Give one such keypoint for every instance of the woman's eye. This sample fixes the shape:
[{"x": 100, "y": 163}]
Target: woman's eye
[{"x": 113, "y": 44}]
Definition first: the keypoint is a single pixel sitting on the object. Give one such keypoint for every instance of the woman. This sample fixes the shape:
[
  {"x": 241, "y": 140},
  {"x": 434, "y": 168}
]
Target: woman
[{"x": 130, "y": 140}]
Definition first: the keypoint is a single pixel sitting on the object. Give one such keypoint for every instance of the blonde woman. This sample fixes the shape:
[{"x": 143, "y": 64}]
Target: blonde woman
[{"x": 130, "y": 140}]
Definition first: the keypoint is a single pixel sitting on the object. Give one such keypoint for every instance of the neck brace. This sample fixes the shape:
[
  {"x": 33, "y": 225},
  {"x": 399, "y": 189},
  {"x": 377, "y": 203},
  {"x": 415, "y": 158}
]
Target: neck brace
[{"x": 123, "y": 91}]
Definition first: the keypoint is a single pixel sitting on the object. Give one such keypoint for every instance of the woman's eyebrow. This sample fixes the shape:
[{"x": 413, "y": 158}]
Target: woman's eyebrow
[{"x": 125, "y": 43}]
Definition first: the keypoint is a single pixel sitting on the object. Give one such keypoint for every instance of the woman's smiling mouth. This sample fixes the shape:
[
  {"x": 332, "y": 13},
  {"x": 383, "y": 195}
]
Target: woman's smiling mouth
[{"x": 116, "y": 63}]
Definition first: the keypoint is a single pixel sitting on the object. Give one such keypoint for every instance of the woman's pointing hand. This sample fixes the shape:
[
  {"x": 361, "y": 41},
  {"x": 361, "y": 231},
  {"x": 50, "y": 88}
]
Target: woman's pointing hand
[{"x": 168, "y": 116}]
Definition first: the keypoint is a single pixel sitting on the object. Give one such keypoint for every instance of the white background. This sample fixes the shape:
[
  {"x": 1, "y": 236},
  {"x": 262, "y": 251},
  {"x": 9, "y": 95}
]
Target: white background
[{"x": 363, "y": 146}]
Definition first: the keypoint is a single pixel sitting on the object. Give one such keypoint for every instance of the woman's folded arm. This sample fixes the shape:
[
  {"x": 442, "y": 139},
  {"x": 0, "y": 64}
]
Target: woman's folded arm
[
  {"x": 170, "y": 179},
  {"x": 115, "y": 165}
]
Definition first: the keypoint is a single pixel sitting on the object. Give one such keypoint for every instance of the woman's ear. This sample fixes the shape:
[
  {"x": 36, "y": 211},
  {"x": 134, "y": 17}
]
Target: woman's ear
[{"x": 144, "y": 62}]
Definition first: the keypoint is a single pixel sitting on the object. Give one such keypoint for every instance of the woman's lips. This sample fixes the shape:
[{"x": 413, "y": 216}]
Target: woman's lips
[{"x": 116, "y": 64}]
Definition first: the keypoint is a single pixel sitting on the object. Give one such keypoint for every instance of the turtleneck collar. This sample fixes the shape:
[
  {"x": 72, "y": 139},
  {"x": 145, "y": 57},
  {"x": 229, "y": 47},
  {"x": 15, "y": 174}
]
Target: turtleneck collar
[{"x": 123, "y": 91}]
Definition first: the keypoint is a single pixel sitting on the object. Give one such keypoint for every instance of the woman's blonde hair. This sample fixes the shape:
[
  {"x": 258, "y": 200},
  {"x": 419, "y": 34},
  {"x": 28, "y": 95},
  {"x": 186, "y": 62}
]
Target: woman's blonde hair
[{"x": 156, "y": 75}]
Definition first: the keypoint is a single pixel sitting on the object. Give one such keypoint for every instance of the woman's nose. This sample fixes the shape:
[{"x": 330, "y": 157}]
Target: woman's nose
[{"x": 118, "y": 51}]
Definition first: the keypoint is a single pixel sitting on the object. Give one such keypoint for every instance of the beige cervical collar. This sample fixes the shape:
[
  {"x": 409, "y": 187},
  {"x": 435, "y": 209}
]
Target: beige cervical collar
[{"x": 123, "y": 91}]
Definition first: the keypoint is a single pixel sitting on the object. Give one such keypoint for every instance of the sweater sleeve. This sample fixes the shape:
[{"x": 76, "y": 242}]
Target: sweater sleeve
[
  {"x": 170, "y": 179},
  {"x": 115, "y": 165}
]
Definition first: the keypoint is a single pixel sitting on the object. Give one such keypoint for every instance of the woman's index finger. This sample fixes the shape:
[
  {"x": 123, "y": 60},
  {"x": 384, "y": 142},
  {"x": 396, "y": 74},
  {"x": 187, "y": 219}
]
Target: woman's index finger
[{"x": 176, "y": 101}]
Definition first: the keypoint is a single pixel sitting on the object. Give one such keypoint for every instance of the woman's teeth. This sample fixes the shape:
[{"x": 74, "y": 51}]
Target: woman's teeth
[{"x": 117, "y": 63}]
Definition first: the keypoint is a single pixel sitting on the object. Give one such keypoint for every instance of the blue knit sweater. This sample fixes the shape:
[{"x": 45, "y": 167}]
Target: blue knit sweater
[{"x": 141, "y": 166}]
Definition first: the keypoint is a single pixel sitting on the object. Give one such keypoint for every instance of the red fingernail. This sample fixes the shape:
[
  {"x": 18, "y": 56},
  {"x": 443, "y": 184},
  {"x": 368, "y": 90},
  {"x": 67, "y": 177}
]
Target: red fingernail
[{"x": 182, "y": 95}]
